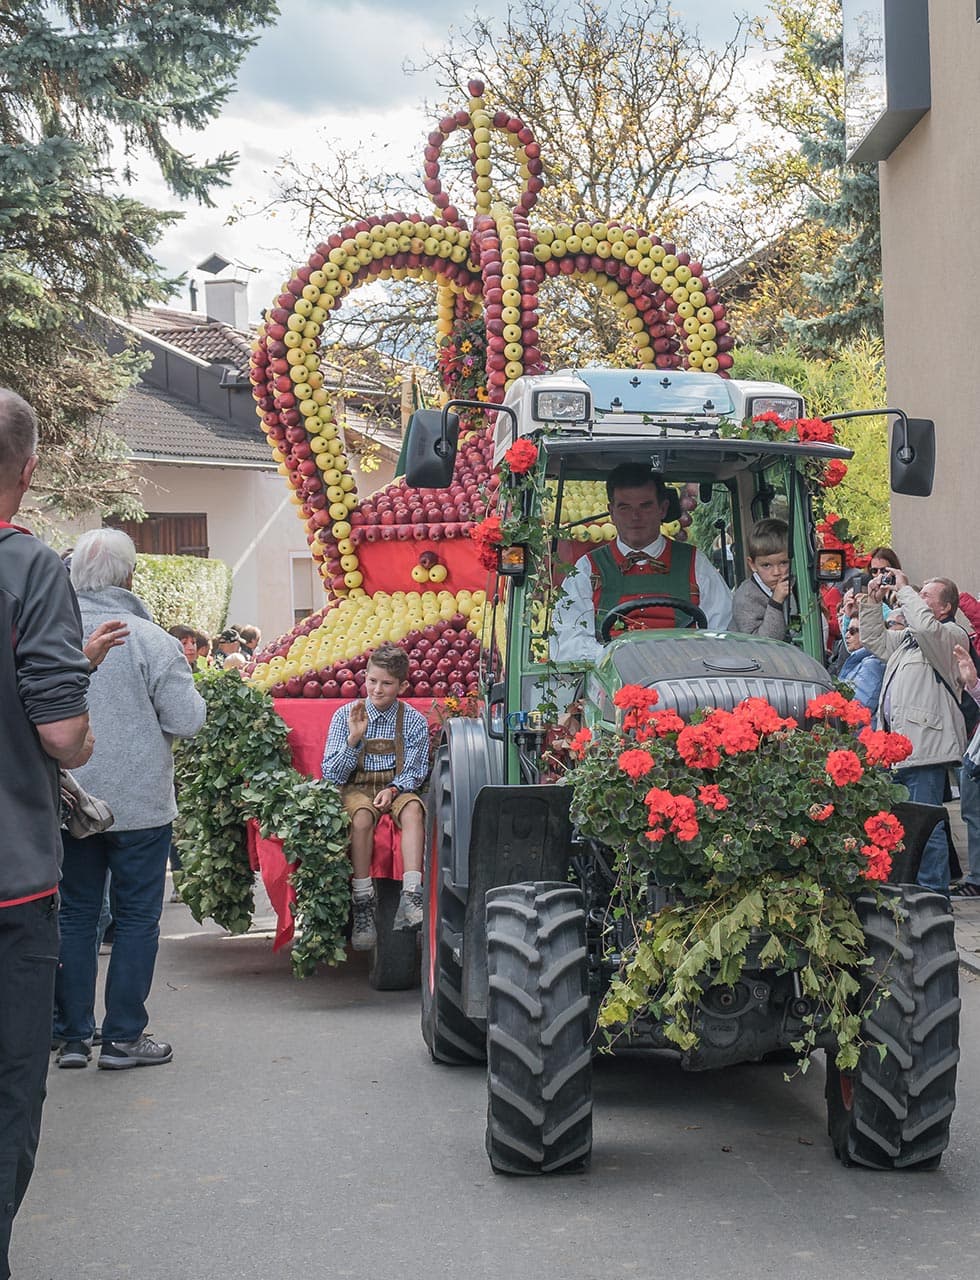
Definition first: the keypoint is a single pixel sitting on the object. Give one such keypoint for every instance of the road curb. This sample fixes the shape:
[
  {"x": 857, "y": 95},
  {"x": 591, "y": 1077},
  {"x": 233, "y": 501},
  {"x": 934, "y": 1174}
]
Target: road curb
[{"x": 969, "y": 960}]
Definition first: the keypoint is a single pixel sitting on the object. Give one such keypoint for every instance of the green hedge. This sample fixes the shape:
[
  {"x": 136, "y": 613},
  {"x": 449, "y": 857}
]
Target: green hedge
[{"x": 186, "y": 590}]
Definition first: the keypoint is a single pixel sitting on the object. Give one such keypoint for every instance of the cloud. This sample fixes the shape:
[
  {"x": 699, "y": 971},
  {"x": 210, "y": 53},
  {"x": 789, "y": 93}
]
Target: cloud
[
  {"x": 346, "y": 55},
  {"x": 327, "y": 54}
]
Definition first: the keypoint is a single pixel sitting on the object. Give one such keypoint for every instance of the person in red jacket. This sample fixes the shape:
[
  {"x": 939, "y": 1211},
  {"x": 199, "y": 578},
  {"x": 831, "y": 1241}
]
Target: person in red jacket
[{"x": 43, "y": 725}]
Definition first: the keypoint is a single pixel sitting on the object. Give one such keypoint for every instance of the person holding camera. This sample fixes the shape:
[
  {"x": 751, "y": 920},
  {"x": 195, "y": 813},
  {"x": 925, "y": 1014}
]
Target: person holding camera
[
  {"x": 920, "y": 692},
  {"x": 969, "y": 885}
]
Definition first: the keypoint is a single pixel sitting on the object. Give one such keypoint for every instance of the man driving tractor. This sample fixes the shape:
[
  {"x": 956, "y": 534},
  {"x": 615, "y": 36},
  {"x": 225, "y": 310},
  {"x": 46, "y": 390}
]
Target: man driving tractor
[{"x": 641, "y": 562}]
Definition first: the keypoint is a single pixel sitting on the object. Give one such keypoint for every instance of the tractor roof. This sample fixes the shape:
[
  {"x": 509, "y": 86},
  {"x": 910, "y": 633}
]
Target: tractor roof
[{"x": 669, "y": 418}]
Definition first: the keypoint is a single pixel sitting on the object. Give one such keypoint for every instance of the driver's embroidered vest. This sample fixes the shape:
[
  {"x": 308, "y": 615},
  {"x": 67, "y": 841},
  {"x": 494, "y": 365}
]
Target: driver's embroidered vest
[{"x": 612, "y": 584}]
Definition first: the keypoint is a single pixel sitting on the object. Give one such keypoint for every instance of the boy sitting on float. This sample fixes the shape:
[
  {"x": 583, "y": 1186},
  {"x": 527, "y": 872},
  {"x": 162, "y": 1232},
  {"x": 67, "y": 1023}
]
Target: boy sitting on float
[{"x": 377, "y": 753}]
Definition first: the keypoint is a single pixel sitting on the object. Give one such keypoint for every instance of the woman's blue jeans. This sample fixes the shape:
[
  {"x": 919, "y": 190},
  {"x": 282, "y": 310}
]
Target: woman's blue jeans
[{"x": 137, "y": 861}]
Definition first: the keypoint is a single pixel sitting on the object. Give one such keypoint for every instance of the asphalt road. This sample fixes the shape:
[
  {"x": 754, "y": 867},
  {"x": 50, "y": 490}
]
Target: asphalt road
[{"x": 302, "y": 1130}]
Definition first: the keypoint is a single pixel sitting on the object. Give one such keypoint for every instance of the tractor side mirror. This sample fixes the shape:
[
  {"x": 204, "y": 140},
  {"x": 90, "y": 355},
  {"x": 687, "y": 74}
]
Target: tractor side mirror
[
  {"x": 913, "y": 456},
  {"x": 430, "y": 453}
]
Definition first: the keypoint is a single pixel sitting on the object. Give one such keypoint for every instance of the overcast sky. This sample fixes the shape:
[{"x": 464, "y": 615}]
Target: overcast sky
[{"x": 329, "y": 69}]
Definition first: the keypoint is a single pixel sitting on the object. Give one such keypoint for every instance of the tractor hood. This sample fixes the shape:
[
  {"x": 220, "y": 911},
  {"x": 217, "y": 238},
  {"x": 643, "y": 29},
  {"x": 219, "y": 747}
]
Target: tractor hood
[{"x": 691, "y": 670}]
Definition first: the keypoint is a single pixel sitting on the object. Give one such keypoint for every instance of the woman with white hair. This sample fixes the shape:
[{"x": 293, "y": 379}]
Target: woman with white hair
[{"x": 144, "y": 699}]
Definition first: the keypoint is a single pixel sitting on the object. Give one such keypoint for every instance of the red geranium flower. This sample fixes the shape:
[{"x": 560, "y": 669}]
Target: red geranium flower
[
  {"x": 762, "y": 716},
  {"x": 735, "y": 734},
  {"x": 826, "y": 704},
  {"x": 635, "y": 763},
  {"x": 713, "y": 797},
  {"x": 635, "y": 696},
  {"x": 488, "y": 535},
  {"x": 774, "y": 418},
  {"x": 885, "y": 748},
  {"x": 844, "y": 767},
  {"x": 879, "y": 862},
  {"x": 697, "y": 745},
  {"x": 820, "y": 812},
  {"x": 834, "y": 473},
  {"x": 679, "y": 810},
  {"x": 815, "y": 429},
  {"x": 579, "y": 743},
  {"x": 521, "y": 457},
  {"x": 884, "y": 830},
  {"x": 663, "y": 722}
]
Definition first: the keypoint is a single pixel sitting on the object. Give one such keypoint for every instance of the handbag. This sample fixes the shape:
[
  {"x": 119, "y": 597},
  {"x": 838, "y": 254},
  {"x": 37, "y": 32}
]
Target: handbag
[{"x": 82, "y": 815}]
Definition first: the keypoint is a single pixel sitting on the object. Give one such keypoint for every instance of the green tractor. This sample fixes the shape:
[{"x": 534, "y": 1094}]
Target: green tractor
[{"x": 515, "y": 956}]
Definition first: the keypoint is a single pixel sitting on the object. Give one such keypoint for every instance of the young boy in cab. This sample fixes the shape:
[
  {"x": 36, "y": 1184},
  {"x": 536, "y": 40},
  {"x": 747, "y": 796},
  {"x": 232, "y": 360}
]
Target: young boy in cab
[{"x": 757, "y": 605}]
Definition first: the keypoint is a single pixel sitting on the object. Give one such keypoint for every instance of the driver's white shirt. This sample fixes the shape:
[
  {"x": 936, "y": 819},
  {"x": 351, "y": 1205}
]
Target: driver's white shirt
[{"x": 574, "y": 619}]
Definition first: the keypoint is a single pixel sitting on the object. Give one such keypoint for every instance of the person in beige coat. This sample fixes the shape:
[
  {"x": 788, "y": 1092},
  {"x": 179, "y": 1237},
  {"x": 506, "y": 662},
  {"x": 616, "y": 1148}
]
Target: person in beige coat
[{"x": 920, "y": 693}]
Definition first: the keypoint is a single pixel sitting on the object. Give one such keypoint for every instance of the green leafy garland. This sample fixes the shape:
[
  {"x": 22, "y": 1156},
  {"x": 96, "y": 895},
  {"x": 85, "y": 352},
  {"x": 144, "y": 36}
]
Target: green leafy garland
[{"x": 238, "y": 767}]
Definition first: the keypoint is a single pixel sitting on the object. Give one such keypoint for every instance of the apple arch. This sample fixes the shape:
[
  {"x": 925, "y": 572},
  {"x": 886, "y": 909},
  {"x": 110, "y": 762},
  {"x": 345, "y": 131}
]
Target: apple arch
[{"x": 492, "y": 270}]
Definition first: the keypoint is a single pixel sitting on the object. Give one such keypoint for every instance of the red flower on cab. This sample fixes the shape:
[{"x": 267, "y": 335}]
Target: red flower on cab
[{"x": 521, "y": 457}]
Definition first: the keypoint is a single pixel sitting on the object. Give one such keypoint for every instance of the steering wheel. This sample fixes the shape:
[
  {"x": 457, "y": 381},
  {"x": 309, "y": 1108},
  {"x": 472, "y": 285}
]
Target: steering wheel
[{"x": 698, "y": 621}]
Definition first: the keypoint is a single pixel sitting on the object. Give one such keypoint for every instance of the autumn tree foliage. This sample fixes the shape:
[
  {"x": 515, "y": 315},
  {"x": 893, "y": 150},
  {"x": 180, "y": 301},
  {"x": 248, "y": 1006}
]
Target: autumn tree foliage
[
  {"x": 88, "y": 88},
  {"x": 814, "y": 271}
]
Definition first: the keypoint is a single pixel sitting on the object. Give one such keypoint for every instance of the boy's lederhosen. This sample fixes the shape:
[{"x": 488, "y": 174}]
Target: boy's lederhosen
[{"x": 363, "y": 785}]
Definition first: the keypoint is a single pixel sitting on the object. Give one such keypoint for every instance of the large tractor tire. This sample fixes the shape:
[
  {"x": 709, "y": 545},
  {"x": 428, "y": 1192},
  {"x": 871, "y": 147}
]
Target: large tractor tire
[
  {"x": 395, "y": 956},
  {"x": 539, "y": 1077},
  {"x": 893, "y": 1112},
  {"x": 451, "y": 1036}
]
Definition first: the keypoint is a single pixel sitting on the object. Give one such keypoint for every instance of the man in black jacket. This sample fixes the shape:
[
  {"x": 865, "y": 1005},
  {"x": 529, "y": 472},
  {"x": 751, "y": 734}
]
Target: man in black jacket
[{"x": 43, "y": 724}]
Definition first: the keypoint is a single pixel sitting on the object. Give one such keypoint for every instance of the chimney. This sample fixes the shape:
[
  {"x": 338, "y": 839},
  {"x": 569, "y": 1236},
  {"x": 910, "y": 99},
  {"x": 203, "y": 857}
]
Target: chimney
[{"x": 227, "y": 300}]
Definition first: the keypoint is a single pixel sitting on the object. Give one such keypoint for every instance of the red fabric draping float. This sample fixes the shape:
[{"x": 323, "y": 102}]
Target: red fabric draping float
[{"x": 309, "y": 721}]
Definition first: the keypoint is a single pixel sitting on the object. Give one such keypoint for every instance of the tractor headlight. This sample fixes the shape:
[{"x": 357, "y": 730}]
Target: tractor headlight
[
  {"x": 787, "y": 407},
  {"x": 560, "y": 406}
]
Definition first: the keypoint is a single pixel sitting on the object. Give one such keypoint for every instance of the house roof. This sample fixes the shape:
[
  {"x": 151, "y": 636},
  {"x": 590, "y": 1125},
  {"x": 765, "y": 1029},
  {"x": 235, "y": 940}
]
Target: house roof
[
  {"x": 156, "y": 424},
  {"x": 357, "y": 371}
]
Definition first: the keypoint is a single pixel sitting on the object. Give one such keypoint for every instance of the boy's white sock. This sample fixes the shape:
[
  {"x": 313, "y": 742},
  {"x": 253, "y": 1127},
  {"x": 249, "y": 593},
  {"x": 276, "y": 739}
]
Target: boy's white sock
[
  {"x": 412, "y": 880},
  {"x": 362, "y": 888}
]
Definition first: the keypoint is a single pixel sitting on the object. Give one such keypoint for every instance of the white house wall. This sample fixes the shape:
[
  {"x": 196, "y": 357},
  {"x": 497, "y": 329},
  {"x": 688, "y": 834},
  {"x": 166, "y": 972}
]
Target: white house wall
[{"x": 252, "y": 526}]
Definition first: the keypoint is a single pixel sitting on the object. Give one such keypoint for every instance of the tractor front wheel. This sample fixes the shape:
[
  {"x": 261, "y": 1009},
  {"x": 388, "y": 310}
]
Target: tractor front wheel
[
  {"x": 893, "y": 1111},
  {"x": 539, "y": 1058}
]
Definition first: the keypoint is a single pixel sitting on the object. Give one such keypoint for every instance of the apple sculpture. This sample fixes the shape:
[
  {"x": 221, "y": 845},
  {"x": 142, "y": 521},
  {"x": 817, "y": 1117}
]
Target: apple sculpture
[{"x": 488, "y": 275}]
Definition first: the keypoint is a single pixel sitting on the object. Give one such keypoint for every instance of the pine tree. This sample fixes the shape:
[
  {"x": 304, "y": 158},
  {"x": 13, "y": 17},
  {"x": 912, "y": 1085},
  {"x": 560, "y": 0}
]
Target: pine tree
[
  {"x": 82, "y": 81},
  {"x": 849, "y": 292}
]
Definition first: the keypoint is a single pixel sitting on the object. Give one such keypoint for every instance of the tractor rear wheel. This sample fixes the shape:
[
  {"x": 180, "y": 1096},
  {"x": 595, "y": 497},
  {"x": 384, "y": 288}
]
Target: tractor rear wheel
[
  {"x": 893, "y": 1112},
  {"x": 451, "y": 1036},
  {"x": 395, "y": 956},
  {"x": 539, "y": 1077}
]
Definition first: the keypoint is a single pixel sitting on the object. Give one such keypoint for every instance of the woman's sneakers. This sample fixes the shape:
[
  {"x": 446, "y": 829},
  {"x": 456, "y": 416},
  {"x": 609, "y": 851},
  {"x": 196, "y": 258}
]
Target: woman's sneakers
[{"x": 144, "y": 1051}]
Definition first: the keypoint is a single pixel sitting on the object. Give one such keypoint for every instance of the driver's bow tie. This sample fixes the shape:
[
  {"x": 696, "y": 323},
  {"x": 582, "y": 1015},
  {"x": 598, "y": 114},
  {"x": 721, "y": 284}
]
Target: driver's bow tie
[{"x": 640, "y": 560}]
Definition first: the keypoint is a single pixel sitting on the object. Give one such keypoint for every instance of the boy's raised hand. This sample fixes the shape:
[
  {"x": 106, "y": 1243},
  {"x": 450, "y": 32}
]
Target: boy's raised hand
[
  {"x": 357, "y": 723},
  {"x": 781, "y": 590}
]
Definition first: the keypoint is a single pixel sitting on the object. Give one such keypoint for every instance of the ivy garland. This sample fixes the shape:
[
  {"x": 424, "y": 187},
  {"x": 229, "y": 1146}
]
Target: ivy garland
[{"x": 238, "y": 767}]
